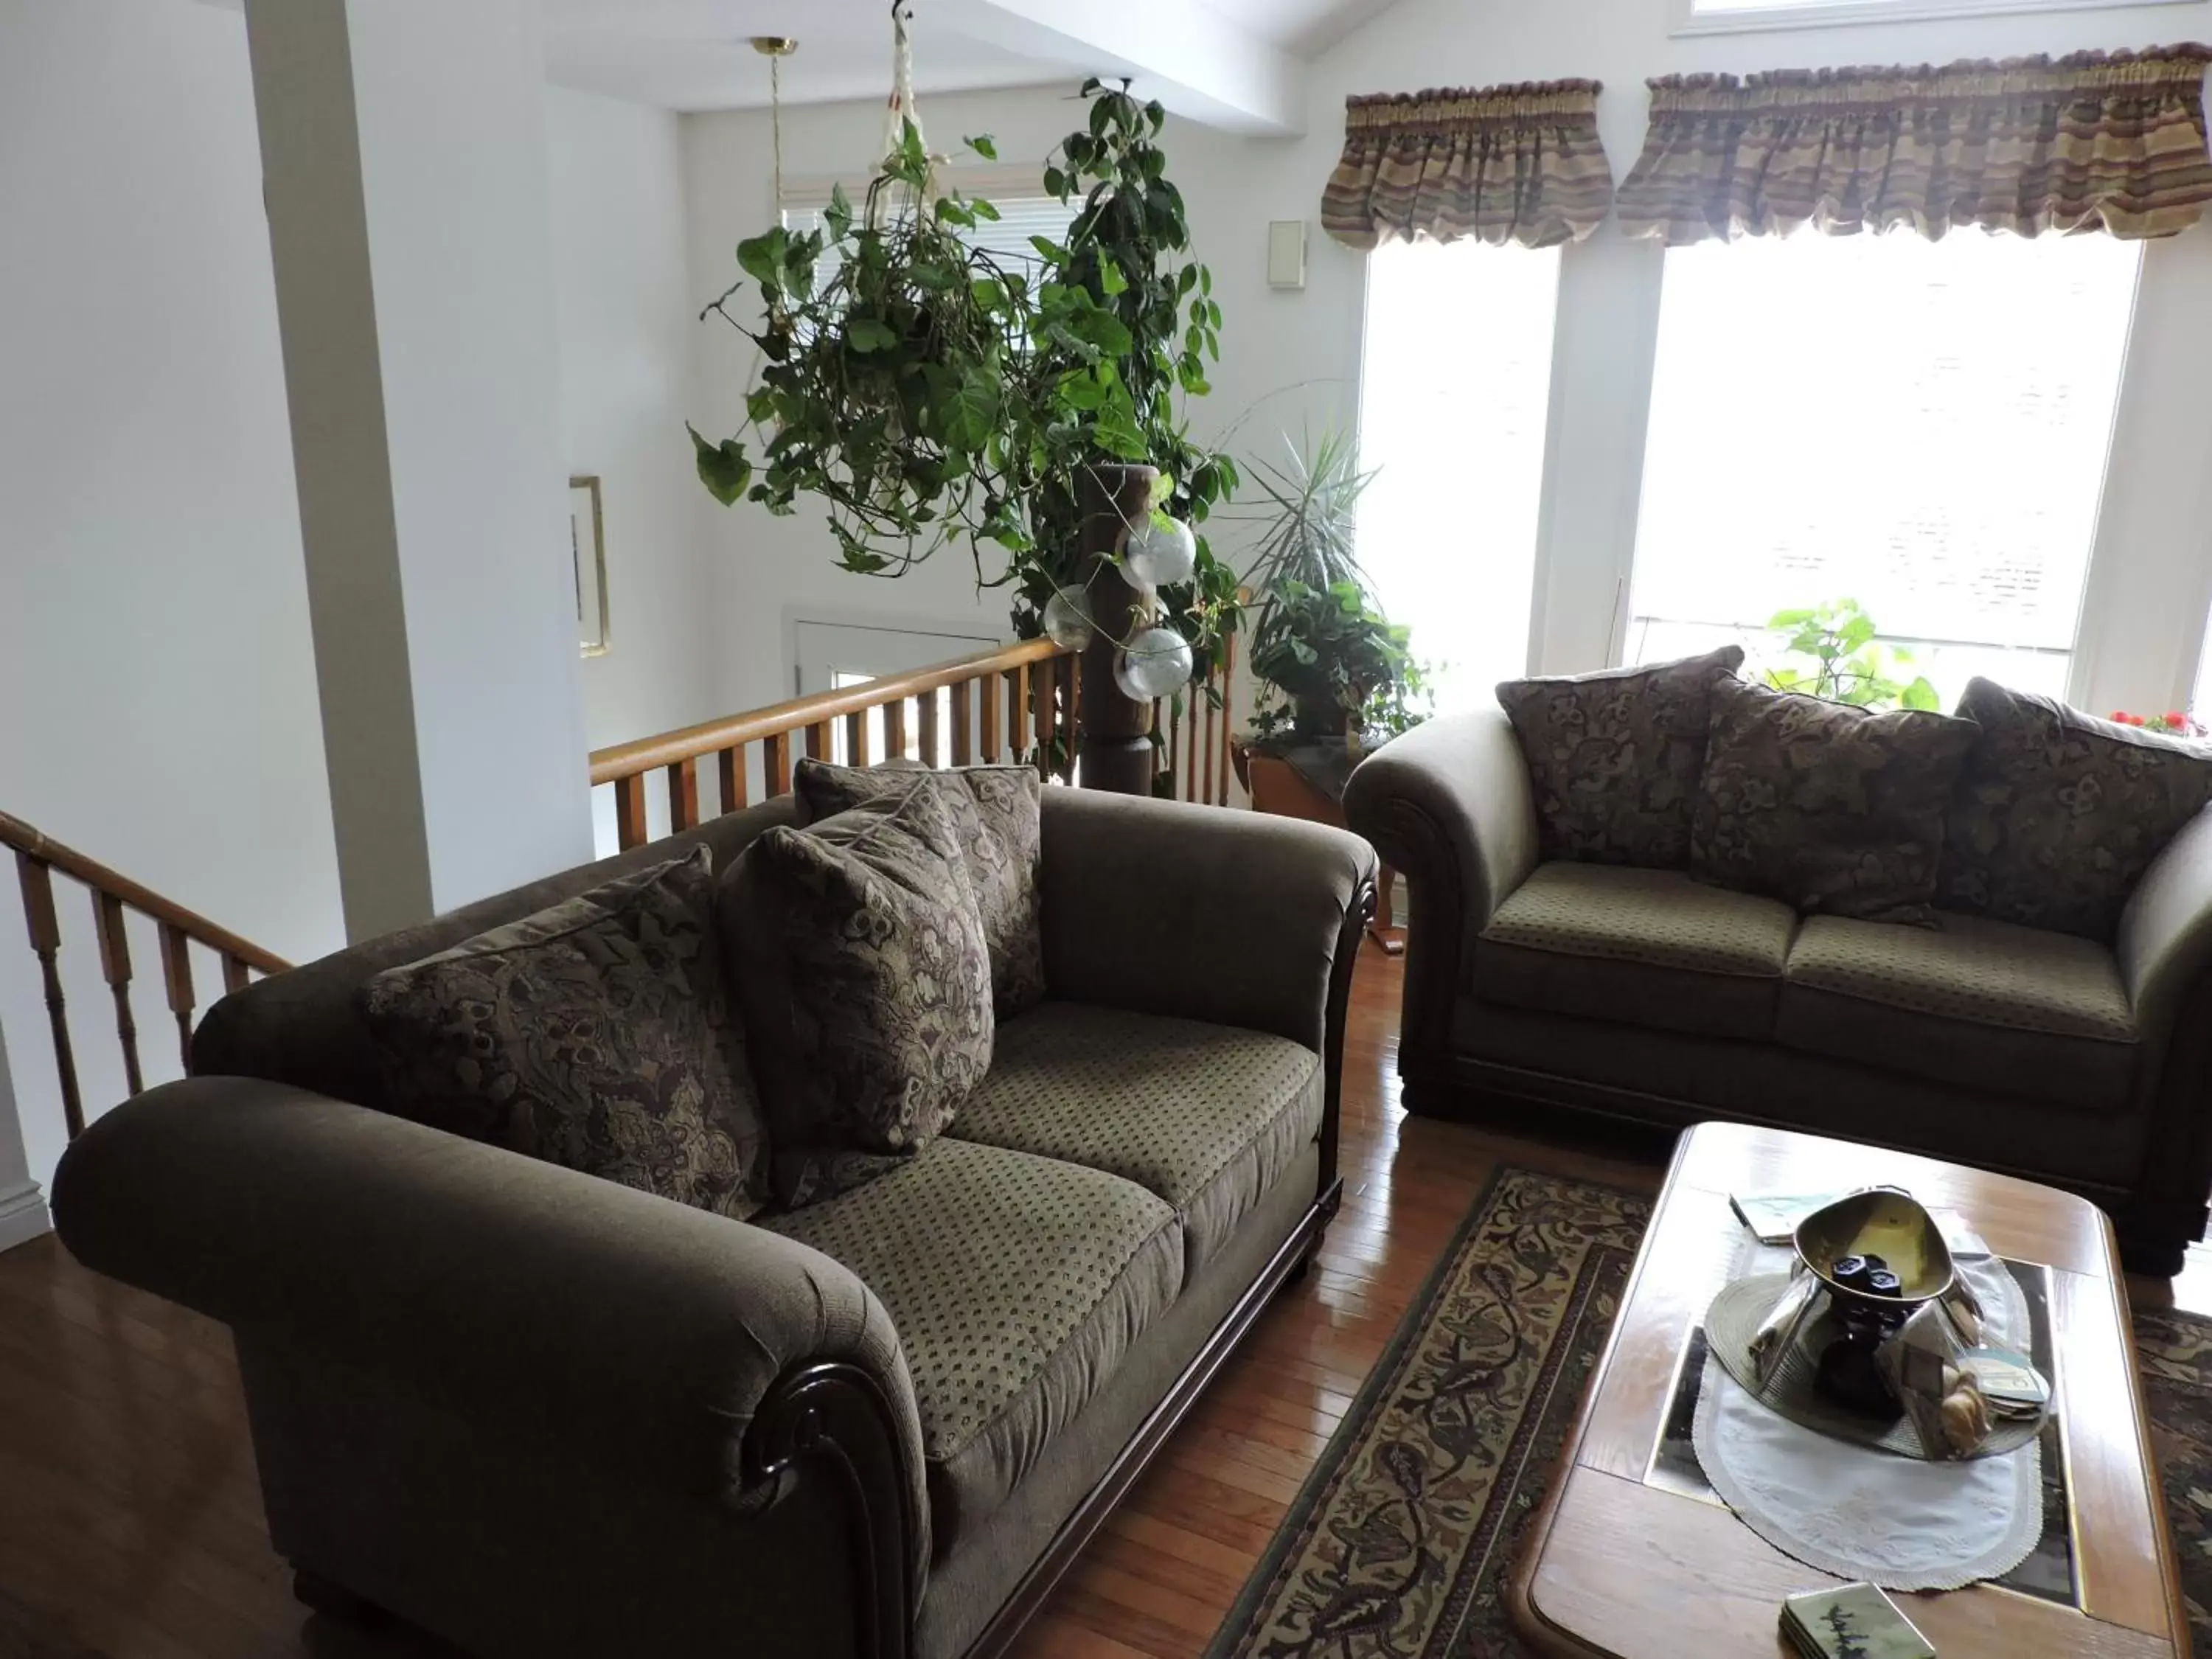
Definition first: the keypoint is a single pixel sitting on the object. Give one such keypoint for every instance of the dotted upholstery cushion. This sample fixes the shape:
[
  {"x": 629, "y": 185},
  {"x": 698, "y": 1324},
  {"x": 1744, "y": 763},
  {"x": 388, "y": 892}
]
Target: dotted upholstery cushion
[
  {"x": 1659, "y": 916},
  {"x": 1016, "y": 1283},
  {"x": 1637, "y": 947},
  {"x": 1205, "y": 1116},
  {"x": 1969, "y": 968},
  {"x": 1988, "y": 1005}
]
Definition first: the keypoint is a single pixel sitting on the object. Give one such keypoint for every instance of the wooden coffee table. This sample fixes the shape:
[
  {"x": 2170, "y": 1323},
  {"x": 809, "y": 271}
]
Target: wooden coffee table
[{"x": 1626, "y": 1560}]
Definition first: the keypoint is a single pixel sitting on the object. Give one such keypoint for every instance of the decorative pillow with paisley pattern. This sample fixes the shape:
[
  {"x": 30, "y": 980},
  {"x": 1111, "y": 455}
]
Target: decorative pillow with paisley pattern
[
  {"x": 857, "y": 948},
  {"x": 1831, "y": 809},
  {"x": 1614, "y": 757},
  {"x": 2059, "y": 813},
  {"x": 596, "y": 1034},
  {"x": 995, "y": 813}
]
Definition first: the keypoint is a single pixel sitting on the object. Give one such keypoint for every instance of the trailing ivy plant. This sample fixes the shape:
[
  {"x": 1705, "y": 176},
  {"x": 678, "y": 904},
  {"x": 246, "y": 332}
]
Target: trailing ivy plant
[{"x": 931, "y": 392}]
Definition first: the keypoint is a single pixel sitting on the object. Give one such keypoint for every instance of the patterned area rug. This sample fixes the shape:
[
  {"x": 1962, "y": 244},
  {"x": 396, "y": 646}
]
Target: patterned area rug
[{"x": 1402, "y": 1541}]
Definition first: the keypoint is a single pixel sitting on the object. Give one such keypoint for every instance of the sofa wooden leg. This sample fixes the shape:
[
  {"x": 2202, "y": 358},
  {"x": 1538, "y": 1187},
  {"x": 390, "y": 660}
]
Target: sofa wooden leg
[{"x": 310, "y": 1589}]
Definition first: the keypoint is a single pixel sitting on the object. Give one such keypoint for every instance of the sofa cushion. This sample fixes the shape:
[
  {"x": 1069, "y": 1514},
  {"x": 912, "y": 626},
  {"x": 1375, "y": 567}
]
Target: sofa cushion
[
  {"x": 1203, "y": 1116},
  {"x": 858, "y": 957},
  {"x": 1644, "y": 947},
  {"x": 1996, "y": 1007},
  {"x": 1825, "y": 806},
  {"x": 995, "y": 813},
  {"x": 1016, "y": 1283},
  {"x": 595, "y": 1034},
  {"x": 1614, "y": 757},
  {"x": 2058, "y": 814}
]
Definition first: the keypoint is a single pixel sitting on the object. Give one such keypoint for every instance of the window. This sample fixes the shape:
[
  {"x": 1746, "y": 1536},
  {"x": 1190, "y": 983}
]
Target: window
[
  {"x": 1453, "y": 395},
  {"x": 1919, "y": 425}
]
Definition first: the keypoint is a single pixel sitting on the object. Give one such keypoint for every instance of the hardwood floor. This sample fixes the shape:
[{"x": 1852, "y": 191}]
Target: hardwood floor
[{"x": 131, "y": 1524}]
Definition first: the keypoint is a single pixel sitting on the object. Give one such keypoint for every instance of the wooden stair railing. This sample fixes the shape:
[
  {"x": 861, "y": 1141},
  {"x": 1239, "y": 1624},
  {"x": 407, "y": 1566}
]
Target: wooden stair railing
[
  {"x": 1011, "y": 705},
  {"x": 114, "y": 896}
]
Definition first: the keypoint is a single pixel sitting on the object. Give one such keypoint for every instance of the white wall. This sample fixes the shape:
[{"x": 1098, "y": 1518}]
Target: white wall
[
  {"x": 155, "y": 665},
  {"x": 628, "y": 347}
]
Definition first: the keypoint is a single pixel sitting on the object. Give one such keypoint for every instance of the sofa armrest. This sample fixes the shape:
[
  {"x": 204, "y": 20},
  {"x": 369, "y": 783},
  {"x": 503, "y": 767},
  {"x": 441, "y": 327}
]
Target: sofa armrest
[
  {"x": 655, "y": 1339},
  {"x": 1208, "y": 912},
  {"x": 2165, "y": 941},
  {"x": 1450, "y": 807}
]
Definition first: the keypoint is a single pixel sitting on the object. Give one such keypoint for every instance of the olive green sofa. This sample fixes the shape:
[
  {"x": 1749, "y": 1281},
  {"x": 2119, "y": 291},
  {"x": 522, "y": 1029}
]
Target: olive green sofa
[
  {"x": 1600, "y": 991},
  {"x": 538, "y": 1414}
]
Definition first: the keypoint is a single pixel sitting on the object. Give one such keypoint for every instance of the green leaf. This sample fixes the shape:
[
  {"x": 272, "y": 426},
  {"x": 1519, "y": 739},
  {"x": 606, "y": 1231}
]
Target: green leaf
[
  {"x": 1782, "y": 619},
  {"x": 1055, "y": 182},
  {"x": 970, "y": 414},
  {"x": 981, "y": 144},
  {"x": 1922, "y": 695},
  {"x": 761, "y": 257},
  {"x": 868, "y": 334},
  {"x": 838, "y": 215},
  {"x": 722, "y": 467},
  {"x": 1081, "y": 390},
  {"x": 1856, "y": 633},
  {"x": 1110, "y": 280}
]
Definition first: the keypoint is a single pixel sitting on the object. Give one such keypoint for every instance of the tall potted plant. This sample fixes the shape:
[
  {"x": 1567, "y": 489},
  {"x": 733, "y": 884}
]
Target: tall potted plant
[{"x": 931, "y": 392}]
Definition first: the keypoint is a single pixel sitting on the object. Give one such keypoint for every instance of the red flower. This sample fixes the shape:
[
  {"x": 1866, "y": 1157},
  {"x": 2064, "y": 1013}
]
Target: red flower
[
  {"x": 2120, "y": 715},
  {"x": 2178, "y": 721},
  {"x": 2135, "y": 719}
]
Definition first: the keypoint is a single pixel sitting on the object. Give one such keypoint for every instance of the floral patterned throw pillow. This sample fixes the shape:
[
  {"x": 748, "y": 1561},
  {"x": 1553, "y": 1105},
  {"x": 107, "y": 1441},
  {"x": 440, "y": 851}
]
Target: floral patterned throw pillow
[
  {"x": 1614, "y": 757},
  {"x": 857, "y": 947},
  {"x": 994, "y": 813},
  {"x": 2059, "y": 813},
  {"x": 596, "y": 1034},
  {"x": 1827, "y": 807}
]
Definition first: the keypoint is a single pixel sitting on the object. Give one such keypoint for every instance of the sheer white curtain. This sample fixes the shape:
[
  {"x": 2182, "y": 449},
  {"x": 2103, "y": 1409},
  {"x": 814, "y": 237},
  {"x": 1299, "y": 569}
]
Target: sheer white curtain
[{"x": 1454, "y": 398}]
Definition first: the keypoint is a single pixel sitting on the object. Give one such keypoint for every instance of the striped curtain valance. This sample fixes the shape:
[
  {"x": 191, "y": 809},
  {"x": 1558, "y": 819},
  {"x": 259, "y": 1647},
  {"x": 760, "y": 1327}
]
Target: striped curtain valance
[
  {"x": 2094, "y": 141},
  {"x": 1500, "y": 164}
]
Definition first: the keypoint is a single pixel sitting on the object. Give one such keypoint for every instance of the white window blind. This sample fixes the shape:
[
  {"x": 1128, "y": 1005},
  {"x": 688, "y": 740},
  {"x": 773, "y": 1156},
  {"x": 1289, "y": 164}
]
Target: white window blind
[
  {"x": 1455, "y": 393},
  {"x": 1922, "y": 427}
]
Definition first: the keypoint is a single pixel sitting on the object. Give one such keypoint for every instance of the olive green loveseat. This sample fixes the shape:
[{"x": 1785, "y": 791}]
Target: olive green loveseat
[
  {"x": 1648, "y": 995},
  {"x": 538, "y": 1414}
]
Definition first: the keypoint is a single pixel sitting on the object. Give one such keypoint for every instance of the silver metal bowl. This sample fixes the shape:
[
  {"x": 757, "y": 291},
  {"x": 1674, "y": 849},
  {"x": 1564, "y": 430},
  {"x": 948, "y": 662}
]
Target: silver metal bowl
[{"x": 1882, "y": 1221}]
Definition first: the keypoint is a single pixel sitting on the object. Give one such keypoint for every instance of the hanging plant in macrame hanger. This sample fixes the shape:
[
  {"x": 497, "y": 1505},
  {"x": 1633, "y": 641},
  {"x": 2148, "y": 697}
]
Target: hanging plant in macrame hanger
[{"x": 929, "y": 390}]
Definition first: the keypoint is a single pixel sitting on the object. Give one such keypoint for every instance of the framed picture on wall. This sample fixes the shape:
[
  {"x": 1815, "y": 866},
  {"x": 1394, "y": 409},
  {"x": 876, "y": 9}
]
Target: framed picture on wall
[{"x": 587, "y": 548}]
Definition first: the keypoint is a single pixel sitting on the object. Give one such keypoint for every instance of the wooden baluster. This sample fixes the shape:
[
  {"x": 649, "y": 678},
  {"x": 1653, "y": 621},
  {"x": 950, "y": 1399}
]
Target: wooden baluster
[
  {"x": 1176, "y": 790},
  {"x": 682, "y": 795},
  {"x": 1020, "y": 730},
  {"x": 994, "y": 711},
  {"x": 775, "y": 765},
  {"x": 177, "y": 971},
  {"x": 1207, "y": 795},
  {"x": 818, "y": 741},
  {"x": 46, "y": 940},
  {"x": 731, "y": 764},
  {"x": 963, "y": 734},
  {"x": 926, "y": 708},
  {"x": 1041, "y": 683},
  {"x": 1228, "y": 686},
  {"x": 895, "y": 729},
  {"x": 237, "y": 974},
  {"x": 856, "y": 737},
  {"x": 629, "y": 811},
  {"x": 115, "y": 965}
]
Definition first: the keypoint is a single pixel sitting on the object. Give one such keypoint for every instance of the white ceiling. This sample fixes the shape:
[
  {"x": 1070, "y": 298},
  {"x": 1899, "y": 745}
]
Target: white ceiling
[{"x": 696, "y": 55}]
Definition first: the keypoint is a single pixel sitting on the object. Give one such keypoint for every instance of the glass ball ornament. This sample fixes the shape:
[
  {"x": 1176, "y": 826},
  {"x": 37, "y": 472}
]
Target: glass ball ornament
[
  {"x": 1155, "y": 664},
  {"x": 1160, "y": 552},
  {"x": 1066, "y": 621}
]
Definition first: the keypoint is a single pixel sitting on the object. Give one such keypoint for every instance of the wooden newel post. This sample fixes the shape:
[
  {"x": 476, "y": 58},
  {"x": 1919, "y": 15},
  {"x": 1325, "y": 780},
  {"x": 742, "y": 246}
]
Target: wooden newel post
[{"x": 1114, "y": 735}]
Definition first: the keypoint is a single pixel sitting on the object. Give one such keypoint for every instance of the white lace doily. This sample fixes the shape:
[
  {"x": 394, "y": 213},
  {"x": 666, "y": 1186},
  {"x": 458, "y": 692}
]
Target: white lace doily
[{"x": 1901, "y": 1523}]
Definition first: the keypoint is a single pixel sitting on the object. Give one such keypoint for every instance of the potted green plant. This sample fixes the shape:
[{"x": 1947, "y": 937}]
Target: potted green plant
[
  {"x": 1340, "y": 669},
  {"x": 1843, "y": 662}
]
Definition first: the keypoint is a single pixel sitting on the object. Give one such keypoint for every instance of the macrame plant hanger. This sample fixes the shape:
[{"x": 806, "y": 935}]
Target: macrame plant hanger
[{"x": 775, "y": 48}]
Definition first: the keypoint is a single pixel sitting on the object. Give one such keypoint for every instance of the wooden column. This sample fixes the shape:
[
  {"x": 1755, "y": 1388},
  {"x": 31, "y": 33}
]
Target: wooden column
[{"x": 1113, "y": 733}]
